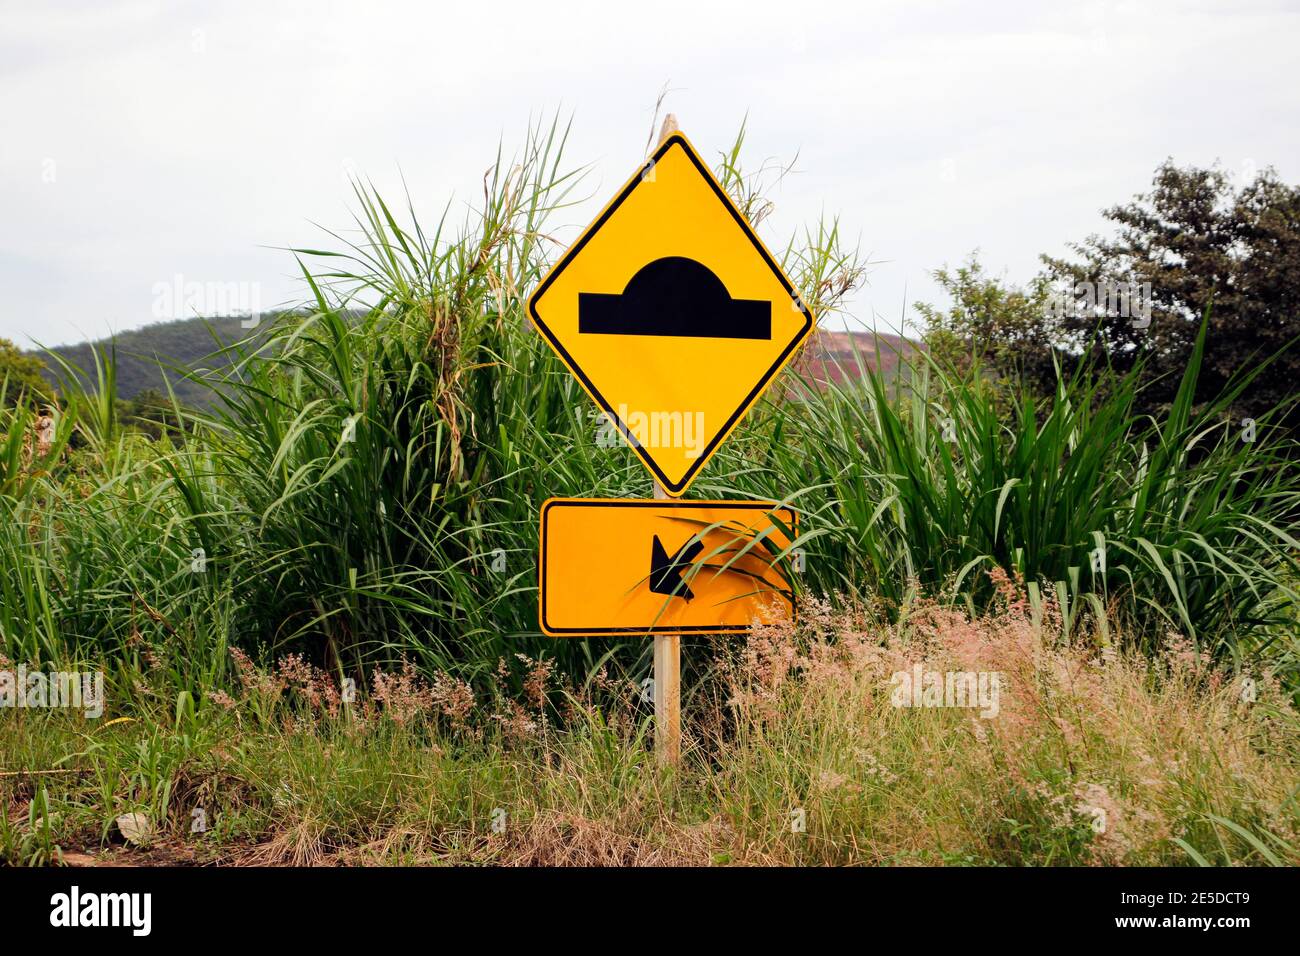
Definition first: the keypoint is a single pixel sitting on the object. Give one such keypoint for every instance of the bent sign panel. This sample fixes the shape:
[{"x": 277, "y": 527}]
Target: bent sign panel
[{"x": 618, "y": 565}]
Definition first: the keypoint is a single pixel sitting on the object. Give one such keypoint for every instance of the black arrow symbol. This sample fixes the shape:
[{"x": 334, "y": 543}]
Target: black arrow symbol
[{"x": 666, "y": 572}]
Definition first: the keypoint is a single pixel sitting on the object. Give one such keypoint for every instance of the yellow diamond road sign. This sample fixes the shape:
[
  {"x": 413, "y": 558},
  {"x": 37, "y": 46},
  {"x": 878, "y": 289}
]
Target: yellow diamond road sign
[{"x": 672, "y": 313}]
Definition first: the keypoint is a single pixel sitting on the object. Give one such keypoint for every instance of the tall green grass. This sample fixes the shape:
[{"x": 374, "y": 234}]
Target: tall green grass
[
  {"x": 1175, "y": 523},
  {"x": 378, "y": 451}
]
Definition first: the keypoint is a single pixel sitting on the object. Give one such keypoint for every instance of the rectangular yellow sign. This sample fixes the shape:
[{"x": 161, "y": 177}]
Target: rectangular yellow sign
[{"x": 619, "y": 566}]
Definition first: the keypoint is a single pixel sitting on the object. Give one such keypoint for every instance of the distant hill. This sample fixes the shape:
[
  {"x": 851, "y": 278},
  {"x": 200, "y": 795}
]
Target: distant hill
[
  {"x": 189, "y": 343},
  {"x": 833, "y": 356},
  {"x": 144, "y": 355}
]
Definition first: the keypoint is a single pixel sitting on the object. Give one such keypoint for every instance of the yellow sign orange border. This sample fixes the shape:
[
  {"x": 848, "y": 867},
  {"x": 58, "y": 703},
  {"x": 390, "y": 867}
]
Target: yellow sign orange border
[{"x": 590, "y": 580}]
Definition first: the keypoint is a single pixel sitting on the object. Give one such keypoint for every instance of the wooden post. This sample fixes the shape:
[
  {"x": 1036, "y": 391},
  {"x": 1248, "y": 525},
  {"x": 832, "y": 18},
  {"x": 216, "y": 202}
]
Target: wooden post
[
  {"x": 668, "y": 690},
  {"x": 668, "y": 647}
]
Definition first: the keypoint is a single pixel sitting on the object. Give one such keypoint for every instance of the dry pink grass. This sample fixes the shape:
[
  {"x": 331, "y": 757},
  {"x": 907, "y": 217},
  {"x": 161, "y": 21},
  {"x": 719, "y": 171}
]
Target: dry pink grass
[
  {"x": 1095, "y": 755},
  {"x": 1102, "y": 751}
]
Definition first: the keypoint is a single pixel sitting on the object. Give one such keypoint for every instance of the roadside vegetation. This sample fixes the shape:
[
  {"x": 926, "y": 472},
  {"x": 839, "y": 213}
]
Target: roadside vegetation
[
  {"x": 795, "y": 754},
  {"x": 338, "y": 519}
]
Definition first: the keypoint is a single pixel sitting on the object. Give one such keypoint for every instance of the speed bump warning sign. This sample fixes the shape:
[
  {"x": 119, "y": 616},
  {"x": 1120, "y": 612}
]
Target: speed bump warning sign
[{"x": 672, "y": 313}]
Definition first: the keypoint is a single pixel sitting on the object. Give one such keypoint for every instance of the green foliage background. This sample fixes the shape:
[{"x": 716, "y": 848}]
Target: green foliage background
[{"x": 372, "y": 451}]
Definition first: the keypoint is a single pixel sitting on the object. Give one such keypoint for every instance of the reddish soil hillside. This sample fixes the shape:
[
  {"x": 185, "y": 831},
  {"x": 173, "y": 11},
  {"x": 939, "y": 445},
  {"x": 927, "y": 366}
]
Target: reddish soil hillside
[{"x": 830, "y": 356}]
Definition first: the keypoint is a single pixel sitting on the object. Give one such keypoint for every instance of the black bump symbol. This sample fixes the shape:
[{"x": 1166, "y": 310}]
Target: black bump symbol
[{"x": 674, "y": 296}]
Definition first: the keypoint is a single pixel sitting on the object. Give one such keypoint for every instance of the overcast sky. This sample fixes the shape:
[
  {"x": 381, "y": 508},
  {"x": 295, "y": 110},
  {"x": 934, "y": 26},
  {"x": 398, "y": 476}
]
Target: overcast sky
[{"x": 142, "y": 141}]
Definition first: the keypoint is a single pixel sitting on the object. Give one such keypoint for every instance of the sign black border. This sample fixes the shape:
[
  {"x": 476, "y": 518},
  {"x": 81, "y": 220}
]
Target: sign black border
[
  {"x": 769, "y": 506},
  {"x": 677, "y": 139}
]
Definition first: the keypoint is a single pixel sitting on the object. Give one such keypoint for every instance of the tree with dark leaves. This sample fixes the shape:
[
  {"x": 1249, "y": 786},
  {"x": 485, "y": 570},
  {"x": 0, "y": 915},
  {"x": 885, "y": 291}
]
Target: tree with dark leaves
[{"x": 1192, "y": 244}]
